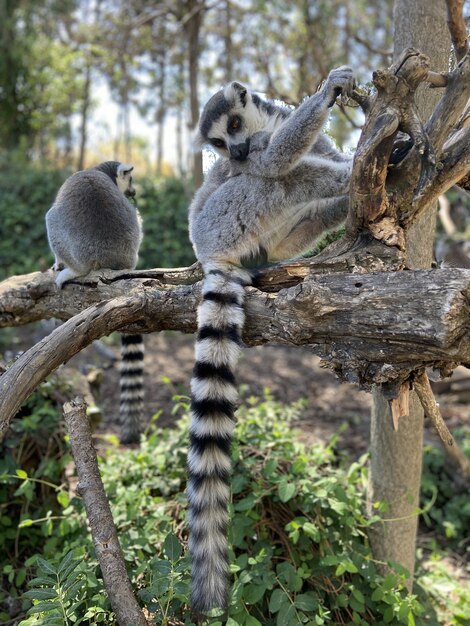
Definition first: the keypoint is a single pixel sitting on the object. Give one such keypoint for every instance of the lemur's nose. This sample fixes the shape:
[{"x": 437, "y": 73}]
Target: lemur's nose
[{"x": 240, "y": 151}]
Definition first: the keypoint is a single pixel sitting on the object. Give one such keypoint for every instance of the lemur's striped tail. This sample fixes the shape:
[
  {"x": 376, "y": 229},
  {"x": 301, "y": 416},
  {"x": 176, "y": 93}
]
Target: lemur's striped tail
[
  {"x": 214, "y": 397},
  {"x": 132, "y": 392}
]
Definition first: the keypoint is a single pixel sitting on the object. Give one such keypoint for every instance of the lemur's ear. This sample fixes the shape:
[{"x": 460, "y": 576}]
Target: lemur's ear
[
  {"x": 124, "y": 169},
  {"x": 236, "y": 91},
  {"x": 197, "y": 141}
]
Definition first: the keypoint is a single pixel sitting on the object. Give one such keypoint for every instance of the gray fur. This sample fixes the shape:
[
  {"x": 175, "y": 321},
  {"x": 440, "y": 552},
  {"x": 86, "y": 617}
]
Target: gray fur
[
  {"x": 90, "y": 226},
  {"x": 291, "y": 169},
  {"x": 278, "y": 185}
]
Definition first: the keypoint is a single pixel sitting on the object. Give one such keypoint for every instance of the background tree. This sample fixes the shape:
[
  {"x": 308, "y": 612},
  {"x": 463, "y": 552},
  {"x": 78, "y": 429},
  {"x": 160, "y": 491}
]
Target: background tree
[{"x": 396, "y": 457}]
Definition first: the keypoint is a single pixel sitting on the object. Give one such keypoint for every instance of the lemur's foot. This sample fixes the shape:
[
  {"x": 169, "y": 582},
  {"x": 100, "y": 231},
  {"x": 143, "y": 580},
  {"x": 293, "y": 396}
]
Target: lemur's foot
[
  {"x": 340, "y": 81},
  {"x": 65, "y": 275}
]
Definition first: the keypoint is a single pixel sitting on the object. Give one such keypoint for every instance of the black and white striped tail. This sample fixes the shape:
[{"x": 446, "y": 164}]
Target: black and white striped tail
[
  {"x": 214, "y": 397},
  {"x": 132, "y": 392}
]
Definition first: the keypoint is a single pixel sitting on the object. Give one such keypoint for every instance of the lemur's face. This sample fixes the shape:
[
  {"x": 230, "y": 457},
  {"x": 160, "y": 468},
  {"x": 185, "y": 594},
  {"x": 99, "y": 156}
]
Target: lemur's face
[
  {"x": 124, "y": 180},
  {"x": 228, "y": 121}
]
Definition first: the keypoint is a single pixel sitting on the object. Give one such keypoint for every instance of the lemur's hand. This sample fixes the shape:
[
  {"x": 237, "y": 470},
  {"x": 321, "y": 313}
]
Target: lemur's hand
[{"x": 340, "y": 81}]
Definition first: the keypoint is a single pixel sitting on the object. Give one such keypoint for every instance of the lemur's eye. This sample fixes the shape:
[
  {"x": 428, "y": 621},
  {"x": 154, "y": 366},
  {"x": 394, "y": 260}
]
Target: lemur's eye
[
  {"x": 217, "y": 143},
  {"x": 234, "y": 123}
]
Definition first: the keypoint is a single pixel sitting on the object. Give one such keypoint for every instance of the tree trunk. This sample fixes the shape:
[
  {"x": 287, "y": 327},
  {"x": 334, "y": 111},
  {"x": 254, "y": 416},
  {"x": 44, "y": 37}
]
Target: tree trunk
[
  {"x": 160, "y": 116},
  {"x": 84, "y": 115},
  {"x": 227, "y": 30},
  {"x": 192, "y": 27},
  {"x": 396, "y": 456}
]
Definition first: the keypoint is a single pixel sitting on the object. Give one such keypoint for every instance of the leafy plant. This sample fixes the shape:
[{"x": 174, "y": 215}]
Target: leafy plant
[
  {"x": 57, "y": 593},
  {"x": 26, "y": 193},
  {"x": 164, "y": 208},
  {"x": 300, "y": 553},
  {"x": 450, "y": 517}
]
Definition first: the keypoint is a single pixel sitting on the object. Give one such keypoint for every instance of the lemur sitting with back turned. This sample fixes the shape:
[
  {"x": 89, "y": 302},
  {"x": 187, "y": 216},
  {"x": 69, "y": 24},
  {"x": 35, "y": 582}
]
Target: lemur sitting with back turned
[
  {"x": 278, "y": 185},
  {"x": 90, "y": 226}
]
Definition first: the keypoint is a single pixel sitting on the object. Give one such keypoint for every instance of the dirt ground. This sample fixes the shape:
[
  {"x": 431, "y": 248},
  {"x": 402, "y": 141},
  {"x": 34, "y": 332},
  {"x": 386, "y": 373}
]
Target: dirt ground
[{"x": 290, "y": 373}]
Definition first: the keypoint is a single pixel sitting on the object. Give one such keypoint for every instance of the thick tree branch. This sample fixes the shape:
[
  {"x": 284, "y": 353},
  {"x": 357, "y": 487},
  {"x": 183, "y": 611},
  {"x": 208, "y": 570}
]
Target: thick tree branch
[
  {"x": 365, "y": 326},
  {"x": 103, "y": 531}
]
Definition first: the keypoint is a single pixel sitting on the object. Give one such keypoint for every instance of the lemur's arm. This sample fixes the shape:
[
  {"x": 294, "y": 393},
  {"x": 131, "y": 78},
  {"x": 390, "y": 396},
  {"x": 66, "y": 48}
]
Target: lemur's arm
[{"x": 301, "y": 129}]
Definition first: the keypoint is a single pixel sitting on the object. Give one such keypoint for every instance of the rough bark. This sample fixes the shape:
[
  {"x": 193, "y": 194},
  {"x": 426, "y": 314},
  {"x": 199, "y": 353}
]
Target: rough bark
[
  {"x": 103, "y": 531},
  {"x": 192, "y": 22},
  {"x": 396, "y": 456},
  {"x": 365, "y": 326}
]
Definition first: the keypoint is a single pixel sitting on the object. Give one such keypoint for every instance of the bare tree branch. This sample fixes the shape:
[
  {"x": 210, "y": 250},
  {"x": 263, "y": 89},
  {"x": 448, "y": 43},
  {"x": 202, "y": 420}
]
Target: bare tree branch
[
  {"x": 103, "y": 531},
  {"x": 451, "y": 105},
  {"x": 431, "y": 409},
  {"x": 457, "y": 27},
  {"x": 455, "y": 168},
  {"x": 367, "y": 45}
]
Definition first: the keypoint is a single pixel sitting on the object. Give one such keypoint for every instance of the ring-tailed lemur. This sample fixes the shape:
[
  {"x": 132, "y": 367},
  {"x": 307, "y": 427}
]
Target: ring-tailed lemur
[
  {"x": 279, "y": 184},
  {"x": 92, "y": 225}
]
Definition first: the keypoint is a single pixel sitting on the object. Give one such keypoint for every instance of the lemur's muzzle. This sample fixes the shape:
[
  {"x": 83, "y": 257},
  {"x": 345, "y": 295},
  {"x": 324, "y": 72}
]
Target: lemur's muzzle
[
  {"x": 240, "y": 151},
  {"x": 130, "y": 193}
]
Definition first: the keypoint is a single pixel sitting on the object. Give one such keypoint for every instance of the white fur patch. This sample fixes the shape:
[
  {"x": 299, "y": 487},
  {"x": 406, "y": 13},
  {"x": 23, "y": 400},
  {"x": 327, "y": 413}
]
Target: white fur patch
[
  {"x": 218, "y": 425},
  {"x": 211, "y": 460},
  {"x": 218, "y": 352},
  {"x": 210, "y": 389},
  {"x": 220, "y": 316},
  {"x": 211, "y": 492},
  {"x": 209, "y": 545}
]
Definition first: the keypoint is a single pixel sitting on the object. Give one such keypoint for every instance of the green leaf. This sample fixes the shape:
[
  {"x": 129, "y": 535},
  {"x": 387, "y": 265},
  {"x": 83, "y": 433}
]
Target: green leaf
[
  {"x": 42, "y": 580},
  {"x": 43, "y": 607},
  {"x": 46, "y": 567},
  {"x": 278, "y": 597},
  {"x": 306, "y": 602},
  {"x": 63, "y": 499},
  {"x": 253, "y": 593},
  {"x": 286, "y": 614},
  {"x": 246, "y": 504},
  {"x": 377, "y": 595},
  {"x": 252, "y": 621},
  {"x": 21, "y": 473},
  {"x": 358, "y": 595},
  {"x": 40, "y": 594},
  {"x": 285, "y": 490},
  {"x": 25, "y": 523},
  {"x": 172, "y": 547}
]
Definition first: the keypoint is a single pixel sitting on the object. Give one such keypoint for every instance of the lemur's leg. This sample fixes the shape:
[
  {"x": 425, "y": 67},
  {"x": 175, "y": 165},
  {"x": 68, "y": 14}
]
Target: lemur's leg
[
  {"x": 317, "y": 217},
  {"x": 295, "y": 137}
]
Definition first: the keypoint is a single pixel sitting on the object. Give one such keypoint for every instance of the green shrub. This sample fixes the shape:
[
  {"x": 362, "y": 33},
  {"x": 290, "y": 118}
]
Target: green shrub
[
  {"x": 299, "y": 554},
  {"x": 163, "y": 205},
  {"x": 27, "y": 191},
  {"x": 33, "y": 492},
  {"x": 450, "y": 515}
]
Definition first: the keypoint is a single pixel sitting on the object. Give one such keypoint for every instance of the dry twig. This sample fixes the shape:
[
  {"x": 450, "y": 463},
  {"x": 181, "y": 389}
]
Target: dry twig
[
  {"x": 431, "y": 409},
  {"x": 103, "y": 530}
]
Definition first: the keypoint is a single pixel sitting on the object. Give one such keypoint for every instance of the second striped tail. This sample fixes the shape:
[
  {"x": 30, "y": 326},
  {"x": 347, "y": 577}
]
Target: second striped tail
[{"x": 131, "y": 388}]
